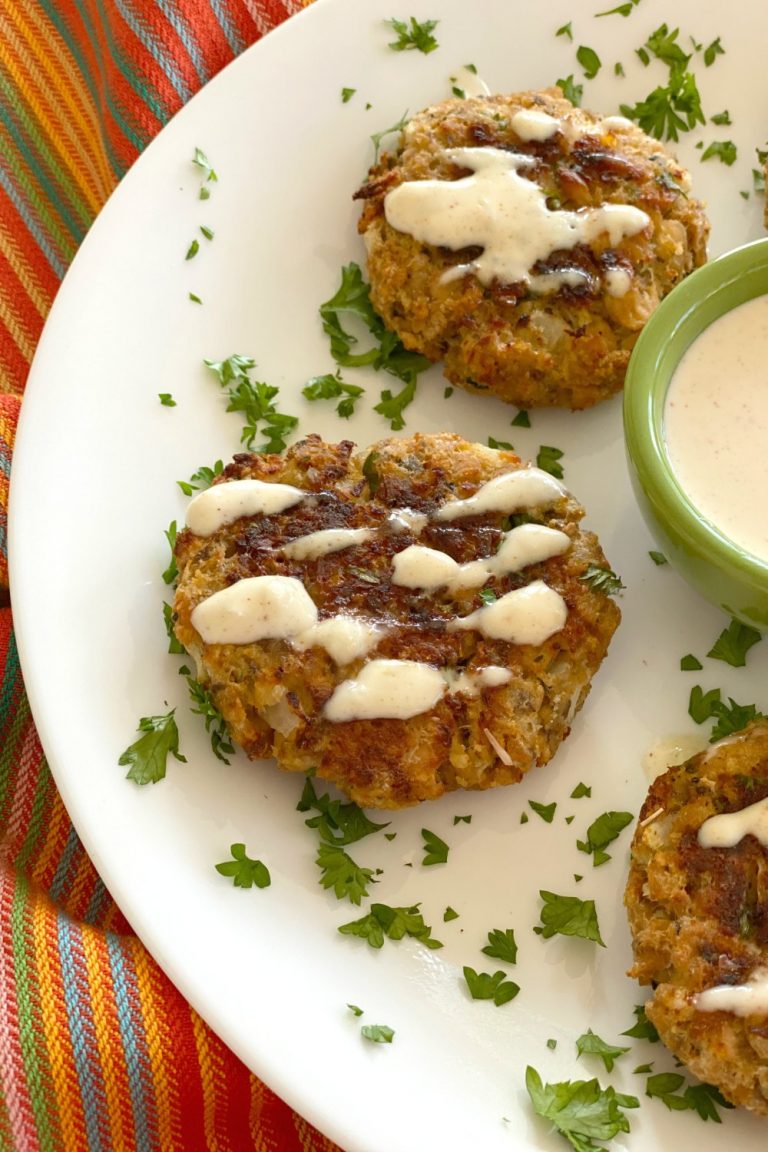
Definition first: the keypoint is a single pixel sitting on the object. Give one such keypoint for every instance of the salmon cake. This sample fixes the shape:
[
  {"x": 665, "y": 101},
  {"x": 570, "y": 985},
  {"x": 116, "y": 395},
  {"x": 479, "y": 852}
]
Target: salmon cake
[
  {"x": 420, "y": 616},
  {"x": 697, "y": 901},
  {"x": 524, "y": 242}
]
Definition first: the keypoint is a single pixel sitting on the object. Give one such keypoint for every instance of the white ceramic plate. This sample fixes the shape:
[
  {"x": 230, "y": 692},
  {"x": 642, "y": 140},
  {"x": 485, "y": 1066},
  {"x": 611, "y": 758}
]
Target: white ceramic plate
[{"x": 94, "y": 488}]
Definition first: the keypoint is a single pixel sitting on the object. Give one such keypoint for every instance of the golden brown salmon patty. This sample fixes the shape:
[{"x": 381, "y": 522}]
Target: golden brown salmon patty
[
  {"x": 699, "y": 915},
  {"x": 568, "y": 347},
  {"x": 501, "y": 707}
]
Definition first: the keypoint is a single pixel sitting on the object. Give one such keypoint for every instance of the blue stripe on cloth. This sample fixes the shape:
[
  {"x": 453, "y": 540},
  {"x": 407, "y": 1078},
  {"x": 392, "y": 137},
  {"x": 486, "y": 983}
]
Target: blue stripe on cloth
[
  {"x": 182, "y": 29},
  {"x": 157, "y": 53},
  {"x": 64, "y": 876},
  {"x": 77, "y": 1001},
  {"x": 135, "y": 1048},
  {"x": 235, "y": 41}
]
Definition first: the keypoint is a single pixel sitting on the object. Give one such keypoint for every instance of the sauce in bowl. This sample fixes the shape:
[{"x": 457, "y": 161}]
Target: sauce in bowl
[{"x": 716, "y": 424}]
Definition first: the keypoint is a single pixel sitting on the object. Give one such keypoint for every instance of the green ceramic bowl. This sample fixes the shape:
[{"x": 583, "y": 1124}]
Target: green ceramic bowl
[{"x": 718, "y": 568}]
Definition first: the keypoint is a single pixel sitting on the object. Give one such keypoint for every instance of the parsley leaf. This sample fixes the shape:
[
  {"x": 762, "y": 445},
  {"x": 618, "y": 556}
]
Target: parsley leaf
[
  {"x": 703, "y": 705},
  {"x": 377, "y": 137},
  {"x": 435, "y": 849},
  {"x": 244, "y": 871},
  {"x": 712, "y": 51},
  {"x": 601, "y": 579},
  {"x": 355, "y": 1010},
  {"x": 668, "y": 111},
  {"x": 602, "y": 832},
  {"x": 589, "y": 1043},
  {"x": 565, "y": 30},
  {"x": 501, "y": 945},
  {"x": 722, "y": 118},
  {"x": 732, "y": 717},
  {"x": 589, "y": 60},
  {"x": 658, "y": 558},
  {"x": 336, "y": 822},
  {"x": 546, "y": 811},
  {"x": 450, "y": 914},
  {"x": 172, "y": 572},
  {"x": 166, "y": 399},
  {"x": 701, "y": 1098},
  {"x": 203, "y": 478},
  {"x": 724, "y": 150},
  {"x": 500, "y": 445},
  {"x": 496, "y": 987},
  {"x": 571, "y": 90},
  {"x": 416, "y": 36},
  {"x": 201, "y": 161},
  {"x": 175, "y": 648},
  {"x": 547, "y": 459},
  {"x": 147, "y": 756},
  {"x": 733, "y": 643},
  {"x": 215, "y": 725},
  {"x": 568, "y": 916},
  {"x": 642, "y": 1029},
  {"x": 581, "y": 790},
  {"x": 620, "y": 10},
  {"x": 370, "y": 473},
  {"x": 581, "y": 1110},
  {"x": 340, "y": 872},
  {"x": 394, "y": 923},
  {"x": 329, "y": 387},
  {"x": 347, "y": 94},
  {"x": 378, "y": 1033},
  {"x": 193, "y": 250},
  {"x": 392, "y": 405},
  {"x": 690, "y": 663},
  {"x": 522, "y": 420},
  {"x": 255, "y": 401}
]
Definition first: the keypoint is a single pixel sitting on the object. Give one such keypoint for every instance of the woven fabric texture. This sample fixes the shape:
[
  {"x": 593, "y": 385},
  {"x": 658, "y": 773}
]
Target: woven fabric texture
[{"x": 98, "y": 1051}]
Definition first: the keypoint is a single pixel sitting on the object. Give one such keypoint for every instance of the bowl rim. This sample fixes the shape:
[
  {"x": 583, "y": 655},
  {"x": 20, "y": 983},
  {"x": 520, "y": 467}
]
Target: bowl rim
[{"x": 703, "y": 297}]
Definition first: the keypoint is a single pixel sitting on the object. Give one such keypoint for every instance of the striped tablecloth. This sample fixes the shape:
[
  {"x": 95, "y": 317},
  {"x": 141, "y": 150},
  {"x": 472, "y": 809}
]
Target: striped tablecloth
[{"x": 97, "y": 1049}]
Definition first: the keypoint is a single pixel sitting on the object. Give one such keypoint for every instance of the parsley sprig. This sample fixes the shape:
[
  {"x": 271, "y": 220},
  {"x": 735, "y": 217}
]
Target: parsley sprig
[
  {"x": 675, "y": 107},
  {"x": 215, "y": 725},
  {"x": 701, "y": 1098},
  {"x": 733, "y": 643},
  {"x": 602, "y": 832},
  {"x": 244, "y": 872},
  {"x": 490, "y": 986},
  {"x": 568, "y": 916},
  {"x": 590, "y": 1044},
  {"x": 729, "y": 718},
  {"x": 581, "y": 1110},
  {"x": 413, "y": 35},
  {"x": 330, "y": 386},
  {"x": 393, "y": 923},
  {"x": 255, "y": 401},
  {"x": 148, "y": 755}
]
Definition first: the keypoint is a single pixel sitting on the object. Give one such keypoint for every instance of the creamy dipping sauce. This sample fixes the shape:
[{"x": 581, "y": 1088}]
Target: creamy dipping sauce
[
  {"x": 716, "y": 424},
  {"x": 222, "y": 504},
  {"x": 499, "y": 210},
  {"x": 728, "y": 828},
  {"x": 419, "y": 567},
  {"x": 387, "y": 689},
  {"x": 750, "y": 999}
]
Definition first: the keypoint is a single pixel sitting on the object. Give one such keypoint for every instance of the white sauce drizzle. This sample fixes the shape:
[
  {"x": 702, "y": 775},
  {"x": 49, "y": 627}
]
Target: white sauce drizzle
[
  {"x": 406, "y": 520},
  {"x": 256, "y": 608},
  {"x": 750, "y": 999},
  {"x": 472, "y": 683},
  {"x": 617, "y": 123},
  {"x": 617, "y": 282},
  {"x": 345, "y": 638},
  {"x": 716, "y": 424},
  {"x": 222, "y": 504},
  {"x": 387, "y": 689},
  {"x": 512, "y": 491},
  {"x": 419, "y": 567},
  {"x": 528, "y": 615},
  {"x": 533, "y": 124},
  {"x": 469, "y": 82},
  {"x": 506, "y": 215},
  {"x": 323, "y": 543},
  {"x": 728, "y": 828}
]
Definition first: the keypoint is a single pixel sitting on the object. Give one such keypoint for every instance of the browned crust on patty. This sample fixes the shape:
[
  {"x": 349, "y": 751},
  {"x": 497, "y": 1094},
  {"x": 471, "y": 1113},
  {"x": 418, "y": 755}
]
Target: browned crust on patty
[
  {"x": 272, "y": 696},
  {"x": 699, "y": 916},
  {"x": 568, "y": 348}
]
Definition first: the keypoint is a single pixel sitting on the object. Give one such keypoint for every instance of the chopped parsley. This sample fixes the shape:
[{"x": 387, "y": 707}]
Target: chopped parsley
[
  {"x": 148, "y": 755},
  {"x": 590, "y": 1044},
  {"x": 571, "y": 90},
  {"x": 174, "y": 647},
  {"x": 568, "y": 916},
  {"x": 658, "y": 558},
  {"x": 488, "y": 596},
  {"x": 589, "y": 61},
  {"x": 347, "y": 94},
  {"x": 621, "y": 9},
  {"x": 340, "y": 872},
  {"x": 500, "y": 445},
  {"x": 690, "y": 663},
  {"x": 450, "y": 914},
  {"x": 203, "y": 478},
  {"x": 547, "y": 459},
  {"x": 546, "y": 811},
  {"x": 355, "y": 1010},
  {"x": 642, "y": 1029},
  {"x": 378, "y": 1033},
  {"x": 245, "y": 873},
  {"x": 393, "y": 923},
  {"x": 336, "y": 822},
  {"x": 581, "y": 790},
  {"x": 601, "y": 579},
  {"x": 255, "y": 401},
  {"x": 672, "y": 108},
  {"x": 369, "y": 472},
  {"x": 487, "y": 986},
  {"x": 413, "y": 35},
  {"x": 194, "y": 298},
  {"x": 393, "y": 404},
  {"x": 733, "y": 643},
  {"x": 725, "y": 151},
  {"x": 721, "y": 118},
  {"x": 581, "y": 1110},
  {"x": 462, "y": 820},
  {"x": 215, "y": 725},
  {"x": 435, "y": 849},
  {"x": 171, "y": 573},
  {"x": 378, "y": 137},
  {"x": 565, "y": 30},
  {"x": 729, "y": 718},
  {"x": 701, "y": 1098},
  {"x": 193, "y": 250},
  {"x": 522, "y": 420},
  {"x": 201, "y": 161},
  {"x": 166, "y": 399},
  {"x": 602, "y": 832},
  {"x": 329, "y": 387},
  {"x": 207, "y": 232},
  {"x": 712, "y": 51},
  {"x": 501, "y": 945}
]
